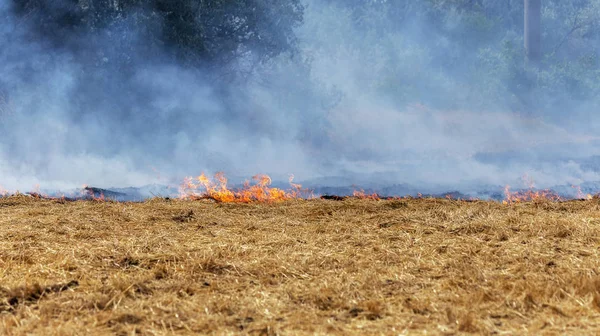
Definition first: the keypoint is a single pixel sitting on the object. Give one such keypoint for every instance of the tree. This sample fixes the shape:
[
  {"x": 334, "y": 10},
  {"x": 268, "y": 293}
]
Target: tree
[
  {"x": 208, "y": 33},
  {"x": 533, "y": 31}
]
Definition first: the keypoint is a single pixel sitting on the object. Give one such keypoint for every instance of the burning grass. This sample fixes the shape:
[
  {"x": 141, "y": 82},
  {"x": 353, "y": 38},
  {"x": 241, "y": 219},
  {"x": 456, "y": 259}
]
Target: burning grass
[
  {"x": 202, "y": 187},
  {"x": 299, "y": 267}
]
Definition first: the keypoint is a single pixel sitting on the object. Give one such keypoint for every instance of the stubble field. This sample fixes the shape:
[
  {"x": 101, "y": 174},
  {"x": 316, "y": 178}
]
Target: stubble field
[{"x": 299, "y": 267}]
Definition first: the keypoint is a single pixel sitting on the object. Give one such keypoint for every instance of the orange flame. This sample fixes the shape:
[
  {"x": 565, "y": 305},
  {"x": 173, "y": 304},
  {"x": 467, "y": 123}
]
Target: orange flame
[
  {"x": 580, "y": 194},
  {"x": 259, "y": 191},
  {"x": 100, "y": 198},
  {"x": 530, "y": 195},
  {"x": 362, "y": 195}
]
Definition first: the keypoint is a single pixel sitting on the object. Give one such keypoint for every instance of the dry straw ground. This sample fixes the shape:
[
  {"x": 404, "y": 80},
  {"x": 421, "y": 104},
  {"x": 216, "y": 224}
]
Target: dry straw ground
[{"x": 299, "y": 267}]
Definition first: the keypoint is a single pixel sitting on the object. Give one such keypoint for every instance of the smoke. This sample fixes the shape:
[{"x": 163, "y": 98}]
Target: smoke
[
  {"x": 416, "y": 109},
  {"x": 375, "y": 103}
]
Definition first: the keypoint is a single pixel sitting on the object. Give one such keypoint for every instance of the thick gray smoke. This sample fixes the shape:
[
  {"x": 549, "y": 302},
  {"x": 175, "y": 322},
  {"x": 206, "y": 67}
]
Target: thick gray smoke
[{"x": 335, "y": 113}]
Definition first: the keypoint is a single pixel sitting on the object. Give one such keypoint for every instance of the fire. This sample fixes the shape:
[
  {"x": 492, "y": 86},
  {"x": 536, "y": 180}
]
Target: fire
[
  {"x": 259, "y": 190},
  {"x": 89, "y": 192},
  {"x": 363, "y": 195},
  {"x": 529, "y": 195},
  {"x": 580, "y": 194}
]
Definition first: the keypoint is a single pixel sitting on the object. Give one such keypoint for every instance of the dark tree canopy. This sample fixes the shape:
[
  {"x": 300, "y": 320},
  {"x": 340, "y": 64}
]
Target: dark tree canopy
[{"x": 194, "y": 32}]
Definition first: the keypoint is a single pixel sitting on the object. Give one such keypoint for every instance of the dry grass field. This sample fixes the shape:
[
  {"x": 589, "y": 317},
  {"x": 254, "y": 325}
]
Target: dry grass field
[{"x": 394, "y": 267}]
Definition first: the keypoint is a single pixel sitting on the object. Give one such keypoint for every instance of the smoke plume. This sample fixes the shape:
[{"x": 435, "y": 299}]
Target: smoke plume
[{"x": 365, "y": 100}]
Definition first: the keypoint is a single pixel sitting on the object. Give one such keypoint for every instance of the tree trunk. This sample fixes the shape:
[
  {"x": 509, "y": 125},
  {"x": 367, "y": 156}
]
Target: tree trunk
[{"x": 533, "y": 31}]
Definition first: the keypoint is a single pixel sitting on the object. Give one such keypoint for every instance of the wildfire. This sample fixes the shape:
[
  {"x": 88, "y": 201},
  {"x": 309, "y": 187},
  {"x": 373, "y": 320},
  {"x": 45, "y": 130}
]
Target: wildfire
[
  {"x": 529, "y": 195},
  {"x": 259, "y": 190},
  {"x": 89, "y": 193},
  {"x": 580, "y": 194},
  {"x": 363, "y": 195}
]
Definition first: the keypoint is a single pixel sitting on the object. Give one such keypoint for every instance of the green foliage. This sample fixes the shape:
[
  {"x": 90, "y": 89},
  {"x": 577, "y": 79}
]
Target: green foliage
[
  {"x": 471, "y": 51},
  {"x": 195, "y": 32},
  {"x": 468, "y": 52}
]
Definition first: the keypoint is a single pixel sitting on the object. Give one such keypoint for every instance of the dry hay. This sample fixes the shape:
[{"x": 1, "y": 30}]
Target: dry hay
[{"x": 298, "y": 267}]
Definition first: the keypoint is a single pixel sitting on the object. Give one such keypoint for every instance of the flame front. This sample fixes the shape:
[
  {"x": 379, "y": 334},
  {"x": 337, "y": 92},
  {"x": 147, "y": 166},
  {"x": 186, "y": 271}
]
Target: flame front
[
  {"x": 530, "y": 195},
  {"x": 259, "y": 190},
  {"x": 363, "y": 195}
]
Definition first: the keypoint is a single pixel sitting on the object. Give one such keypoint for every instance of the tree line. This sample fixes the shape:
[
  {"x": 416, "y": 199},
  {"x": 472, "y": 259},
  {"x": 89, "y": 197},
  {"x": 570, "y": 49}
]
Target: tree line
[
  {"x": 192, "y": 32},
  {"x": 487, "y": 39}
]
